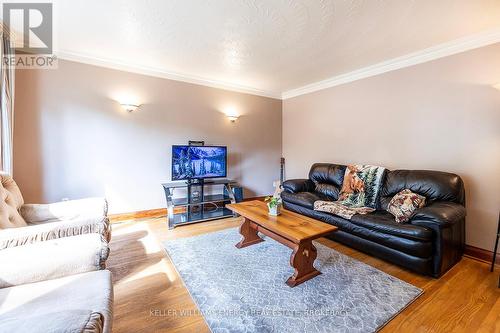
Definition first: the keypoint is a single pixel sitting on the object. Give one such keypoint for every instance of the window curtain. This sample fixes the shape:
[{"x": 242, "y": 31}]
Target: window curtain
[{"x": 6, "y": 102}]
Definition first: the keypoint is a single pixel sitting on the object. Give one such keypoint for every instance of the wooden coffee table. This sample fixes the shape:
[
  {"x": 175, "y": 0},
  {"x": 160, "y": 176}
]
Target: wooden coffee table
[{"x": 291, "y": 229}]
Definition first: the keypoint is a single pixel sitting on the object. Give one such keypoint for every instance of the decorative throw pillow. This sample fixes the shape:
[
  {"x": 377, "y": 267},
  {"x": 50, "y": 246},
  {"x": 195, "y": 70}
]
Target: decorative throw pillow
[{"x": 404, "y": 204}]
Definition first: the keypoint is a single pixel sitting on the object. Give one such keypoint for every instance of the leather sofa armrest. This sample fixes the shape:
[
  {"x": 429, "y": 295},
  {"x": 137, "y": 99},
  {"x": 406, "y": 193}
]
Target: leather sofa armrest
[
  {"x": 298, "y": 185},
  {"x": 442, "y": 214}
]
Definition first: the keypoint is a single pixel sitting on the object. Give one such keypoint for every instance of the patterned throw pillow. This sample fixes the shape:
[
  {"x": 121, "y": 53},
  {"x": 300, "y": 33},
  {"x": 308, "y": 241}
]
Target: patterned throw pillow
[{"x": 404, "y": 204}]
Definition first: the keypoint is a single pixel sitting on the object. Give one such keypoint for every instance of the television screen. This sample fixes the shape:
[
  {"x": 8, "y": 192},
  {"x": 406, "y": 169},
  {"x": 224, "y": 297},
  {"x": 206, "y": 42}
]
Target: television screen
[{"x": 190, "y": 162}]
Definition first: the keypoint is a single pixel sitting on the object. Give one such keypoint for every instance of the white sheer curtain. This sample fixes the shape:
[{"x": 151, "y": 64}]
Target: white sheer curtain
[{"x": 6, "y": 103}]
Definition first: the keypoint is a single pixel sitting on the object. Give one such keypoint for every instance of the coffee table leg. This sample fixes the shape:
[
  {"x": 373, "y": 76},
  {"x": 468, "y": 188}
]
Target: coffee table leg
[
  {"x": 249, "y": 234},
  {"x": 302, "y": 260}
]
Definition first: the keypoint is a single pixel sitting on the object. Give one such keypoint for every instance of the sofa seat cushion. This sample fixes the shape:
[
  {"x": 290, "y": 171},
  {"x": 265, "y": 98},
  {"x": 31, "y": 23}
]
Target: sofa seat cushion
[
  {"x": 84, "y": 300},
  {"x": 304, "y": 199},
  {"x": 384, "y": 222},
  {"x": 52, "y": 259},
  {"x": 84, "y": 321},
  {"x": 414, "y": 247}
]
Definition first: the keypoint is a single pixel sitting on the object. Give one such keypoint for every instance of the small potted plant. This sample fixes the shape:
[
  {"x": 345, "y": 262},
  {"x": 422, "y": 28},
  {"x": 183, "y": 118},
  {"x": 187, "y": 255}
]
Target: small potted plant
[{"x": 274, "y": 205}]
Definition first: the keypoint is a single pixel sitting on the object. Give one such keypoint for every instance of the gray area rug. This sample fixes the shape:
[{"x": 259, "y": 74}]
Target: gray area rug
[{"x": 244, "y": 290}]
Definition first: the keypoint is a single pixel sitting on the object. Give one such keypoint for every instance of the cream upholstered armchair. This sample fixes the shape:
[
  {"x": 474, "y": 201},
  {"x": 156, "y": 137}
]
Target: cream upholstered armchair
[
  {"x": 52, "y": 260},
  {"x": 22, "y": 224},
  {"x": 58, "y": 285}
]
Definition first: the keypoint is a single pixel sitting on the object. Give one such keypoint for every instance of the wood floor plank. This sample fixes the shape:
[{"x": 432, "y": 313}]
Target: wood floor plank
[{"x": 151, "y": 297}]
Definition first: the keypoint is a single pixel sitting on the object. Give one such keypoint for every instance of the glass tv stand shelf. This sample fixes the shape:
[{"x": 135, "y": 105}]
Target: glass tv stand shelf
[{"x": 193, "y": 205}]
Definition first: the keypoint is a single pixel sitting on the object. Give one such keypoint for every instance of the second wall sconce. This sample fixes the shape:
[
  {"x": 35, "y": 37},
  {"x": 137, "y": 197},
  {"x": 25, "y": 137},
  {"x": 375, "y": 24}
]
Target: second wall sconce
[
  {"x": 232, "y": 118},
  {"x": 231, "y": 114},
  {"x": 130, "y": 107}
]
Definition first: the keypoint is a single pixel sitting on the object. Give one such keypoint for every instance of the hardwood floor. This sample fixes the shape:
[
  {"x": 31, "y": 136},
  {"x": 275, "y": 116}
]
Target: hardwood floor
[{"x": 151, "y": 297}]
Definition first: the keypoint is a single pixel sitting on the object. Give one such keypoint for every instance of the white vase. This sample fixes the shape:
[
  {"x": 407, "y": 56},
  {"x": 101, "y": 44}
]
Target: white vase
[{"x": 275, "y": 210}]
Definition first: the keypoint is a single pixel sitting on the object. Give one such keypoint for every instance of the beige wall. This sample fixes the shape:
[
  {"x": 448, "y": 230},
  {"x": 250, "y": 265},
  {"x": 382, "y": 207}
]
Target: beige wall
[
  {"x": 442, "y": 115},
  {"x": 73, "y": 140}
]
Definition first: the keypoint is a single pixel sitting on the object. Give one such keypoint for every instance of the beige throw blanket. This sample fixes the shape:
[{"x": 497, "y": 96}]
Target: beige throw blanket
[{"x": 359, "y": 192}]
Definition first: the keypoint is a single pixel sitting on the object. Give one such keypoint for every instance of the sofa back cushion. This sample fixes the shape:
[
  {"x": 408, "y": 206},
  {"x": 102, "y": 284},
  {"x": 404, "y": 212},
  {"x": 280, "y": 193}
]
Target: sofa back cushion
[
  {"x": 433, "y": 185},
  {"x": 11, "y": 201},
  {"x": 328, "y": 178}
]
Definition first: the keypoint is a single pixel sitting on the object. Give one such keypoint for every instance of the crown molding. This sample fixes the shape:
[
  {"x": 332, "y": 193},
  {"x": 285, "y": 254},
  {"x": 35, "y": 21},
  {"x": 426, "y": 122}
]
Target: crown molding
[
  {"x": 429, "y": 54},
  {"x": 415, "y": 58},
  {"x": 156, "y": 72}
]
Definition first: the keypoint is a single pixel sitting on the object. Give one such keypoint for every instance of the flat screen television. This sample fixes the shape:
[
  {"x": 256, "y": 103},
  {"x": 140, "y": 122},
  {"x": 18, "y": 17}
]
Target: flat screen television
[{"x": 198, "y": 162}]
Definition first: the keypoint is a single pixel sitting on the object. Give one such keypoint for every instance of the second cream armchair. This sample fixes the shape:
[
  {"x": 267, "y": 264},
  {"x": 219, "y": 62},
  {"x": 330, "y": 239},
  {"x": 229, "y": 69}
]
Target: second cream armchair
[{"x": 22, "y": 224}]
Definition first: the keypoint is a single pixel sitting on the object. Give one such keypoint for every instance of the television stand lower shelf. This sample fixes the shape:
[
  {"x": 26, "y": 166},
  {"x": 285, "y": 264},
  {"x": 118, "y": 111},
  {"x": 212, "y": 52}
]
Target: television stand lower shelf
[{"x": 192, "y": 205}]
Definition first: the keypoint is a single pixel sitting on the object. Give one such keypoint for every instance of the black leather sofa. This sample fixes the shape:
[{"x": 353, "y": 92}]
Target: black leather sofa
[{"x": 430, "y": 243}]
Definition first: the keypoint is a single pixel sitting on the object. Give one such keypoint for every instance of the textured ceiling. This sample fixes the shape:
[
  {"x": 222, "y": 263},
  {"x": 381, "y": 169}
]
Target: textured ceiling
[{"x": 270, "y": 45}]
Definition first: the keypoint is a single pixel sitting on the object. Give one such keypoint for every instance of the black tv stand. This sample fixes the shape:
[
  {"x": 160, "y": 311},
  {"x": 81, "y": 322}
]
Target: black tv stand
[
  {"x": 195, "y": 181},
  {"x": 193, "y": 205}
]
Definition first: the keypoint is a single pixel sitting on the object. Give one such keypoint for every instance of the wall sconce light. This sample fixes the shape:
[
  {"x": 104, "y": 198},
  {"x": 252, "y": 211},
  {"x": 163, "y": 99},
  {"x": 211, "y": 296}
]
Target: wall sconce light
[
  {"x": 231, "y": 114},
  {"x": 130, "y": 107},
  {"x": 232, "y": 118},
  {"x": 497, "y": 86}
]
